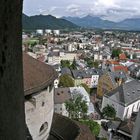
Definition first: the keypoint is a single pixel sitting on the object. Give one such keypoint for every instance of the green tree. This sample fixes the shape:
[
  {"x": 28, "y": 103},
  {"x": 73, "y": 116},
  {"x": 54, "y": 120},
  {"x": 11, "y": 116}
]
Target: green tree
[
  {"x": 86, "y": 87},
  {"x": 96, "y": 64},
  {"x": 65, "y": 63},
  {"x": 109, "y": 112},
  {"x": 90, "y": 62},
  {"x": 73, "y": 65},
  {"x": 116, "y": 53},
  {"x": 66, "y": 81},
  {"x": 127, "y": 55},
  {"x": 76, "y": 107},
  {"x": 134, "y": 56},
  {"x": 94, "y": 126}
]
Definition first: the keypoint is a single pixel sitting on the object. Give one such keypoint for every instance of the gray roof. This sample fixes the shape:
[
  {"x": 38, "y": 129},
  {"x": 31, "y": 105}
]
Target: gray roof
[
  {"x": 51, "y": 54},
  {"x": 132, "y": 67},
  {"x": 85, "y": 73},
  {"x": 65, "y": 71},
  {"x": 126, "y": 94},
  {"x": 117, "y": 74},
  {"x": 78, "y": 74}
]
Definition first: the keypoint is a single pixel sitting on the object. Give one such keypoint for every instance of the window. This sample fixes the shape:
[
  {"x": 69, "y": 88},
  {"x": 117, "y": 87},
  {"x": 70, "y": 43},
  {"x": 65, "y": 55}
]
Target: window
[
  {"x": 50, "y": 87},
  {"x": 43, "y": 128},
  {"x": 138, "y": 106},
  {"x": 126, "y": 112},
  {"x": 133, "y": 108},
  {"x": 33, "y": 101},
  {"x": 43, "y": 103}
]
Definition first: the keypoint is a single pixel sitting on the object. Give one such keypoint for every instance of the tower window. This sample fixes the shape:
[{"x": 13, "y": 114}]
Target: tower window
[{"x": 43, "y": 128}]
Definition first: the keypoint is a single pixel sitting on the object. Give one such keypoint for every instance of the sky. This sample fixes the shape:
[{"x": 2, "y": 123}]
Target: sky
[{"x": 114, "y": 10}]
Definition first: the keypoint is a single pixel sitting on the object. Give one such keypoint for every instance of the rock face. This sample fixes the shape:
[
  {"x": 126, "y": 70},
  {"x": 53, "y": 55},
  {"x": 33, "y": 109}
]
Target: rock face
[{"x": 12, "y": 120}]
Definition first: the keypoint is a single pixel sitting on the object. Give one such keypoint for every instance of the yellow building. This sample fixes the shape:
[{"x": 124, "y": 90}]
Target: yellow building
[{"x": 110, "y": 81}]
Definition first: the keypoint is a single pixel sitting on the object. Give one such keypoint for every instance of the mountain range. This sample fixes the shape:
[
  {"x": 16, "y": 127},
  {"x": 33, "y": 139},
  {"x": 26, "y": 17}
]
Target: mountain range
[
  {"x": 46, "y": 22},
  {"x": 97, "y": 22},
  {"x": 51, "y": 22}
]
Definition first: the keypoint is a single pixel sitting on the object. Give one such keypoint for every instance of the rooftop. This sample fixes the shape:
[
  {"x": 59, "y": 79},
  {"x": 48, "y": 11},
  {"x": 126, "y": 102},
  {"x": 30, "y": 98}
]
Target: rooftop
[
  {"x": 37, "y": 75},
  {"x": 122, "y": 56},
  {"x": 73, "y": 130},
  {"x": 120, "y": 68},
  {"x": 126, "y": 94}
]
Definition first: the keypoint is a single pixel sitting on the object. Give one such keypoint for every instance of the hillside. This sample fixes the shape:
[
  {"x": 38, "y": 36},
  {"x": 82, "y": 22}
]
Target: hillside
[
  {"x": 46, "y": 22},
  {"x": 90, "y": 22},
  {"x": 97, "y": 22}
]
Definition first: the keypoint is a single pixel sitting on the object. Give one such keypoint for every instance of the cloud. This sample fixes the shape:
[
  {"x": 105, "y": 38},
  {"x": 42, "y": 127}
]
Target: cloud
[
  {"x": 72, "y": 8},
  {"x": 108, "y": 9},
  {"x": 115, "y": 10},
  {"x": 52, "y": 9}
]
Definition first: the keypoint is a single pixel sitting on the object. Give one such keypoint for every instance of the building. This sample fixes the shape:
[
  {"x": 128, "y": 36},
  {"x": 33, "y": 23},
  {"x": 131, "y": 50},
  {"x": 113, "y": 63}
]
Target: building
[
  {"x": 56, "y": 56},
  {"x": 109, "y": 81},
  {"x": 39, "y": 31},
  {"x": 89, "y": 77},
  {"x": 122, "y": 57},
  {"x": 48, "y": 31},
  {"x": 62, "y": 95},
  {"x": 38, "y": 90},
  {"x": 136, "y": 130},
  {"x": 68, "y": 129},
  {"x": 95, "y": 74},
  {"x": 56, "y": 32},
  {"x": 125, "y": 99}
]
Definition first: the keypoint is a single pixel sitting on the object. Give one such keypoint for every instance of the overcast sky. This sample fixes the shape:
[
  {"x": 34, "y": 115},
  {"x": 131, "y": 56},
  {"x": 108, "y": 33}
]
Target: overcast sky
[{"x": 114, "y": 10}]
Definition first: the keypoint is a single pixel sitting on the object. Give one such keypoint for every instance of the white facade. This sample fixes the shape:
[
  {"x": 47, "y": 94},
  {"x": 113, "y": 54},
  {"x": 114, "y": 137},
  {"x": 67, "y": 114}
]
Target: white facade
[
  {"x": 94, "y": 81},
  {"x": 39, "y": 31},
  {"x": 56, "y": 82},
  {"x": 63, "y": 56},
  {"x": 56, "y": 32},
  {"x": 122, "y": 112},
  {"x": 61, "y": 108},
  {"x": 48, "y": 31},
  {"x": 39, "y": 113},
  {"x": 134, "y": 107},
  {"x": 72, "y": 47},
  {"x": 98, "y": 56},
  {"x": 96, "y": 48}
]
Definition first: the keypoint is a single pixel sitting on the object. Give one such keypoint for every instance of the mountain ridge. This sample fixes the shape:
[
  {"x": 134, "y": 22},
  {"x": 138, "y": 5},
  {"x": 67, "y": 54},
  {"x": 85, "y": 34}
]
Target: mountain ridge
[
  {"x": 97, "y": 22},
  {"x": 45, "y": 22}
]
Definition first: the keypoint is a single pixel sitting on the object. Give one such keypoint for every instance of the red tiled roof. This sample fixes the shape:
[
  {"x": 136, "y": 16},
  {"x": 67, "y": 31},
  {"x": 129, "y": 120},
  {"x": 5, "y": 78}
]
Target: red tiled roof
[
  {"x": 120, "y": 68},
  {"x": 37, "y": 75},
  {"x": 122, "y": 56},
  {"x": 136, "y": 51},
  {"x": 113, "y": 62},
  {"x": 129, "y": 49},
  {"x": 134, "y": 60}
]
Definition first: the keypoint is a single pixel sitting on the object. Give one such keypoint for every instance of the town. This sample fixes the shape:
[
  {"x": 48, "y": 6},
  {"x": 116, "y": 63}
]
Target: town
[{"x": 96, "y": 77}]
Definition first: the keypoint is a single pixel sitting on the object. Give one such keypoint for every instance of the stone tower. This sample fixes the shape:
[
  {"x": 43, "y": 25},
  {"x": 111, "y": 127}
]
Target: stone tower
[{"x": 12, "y": 120}]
